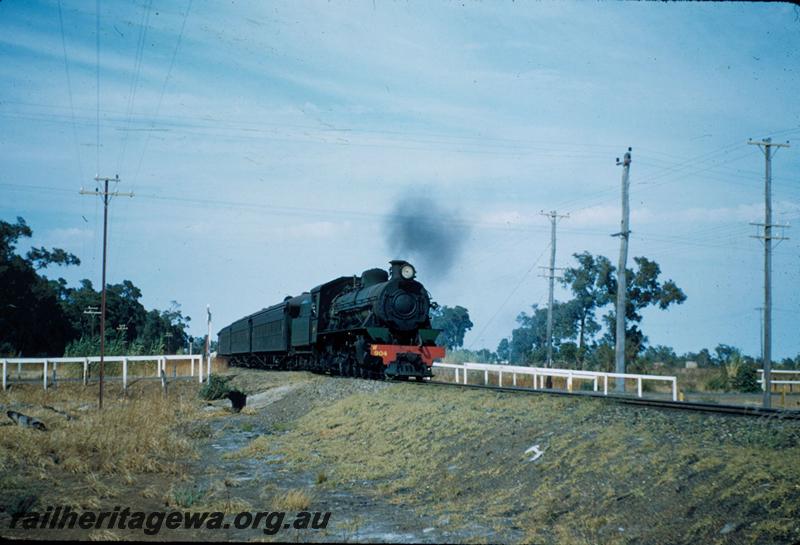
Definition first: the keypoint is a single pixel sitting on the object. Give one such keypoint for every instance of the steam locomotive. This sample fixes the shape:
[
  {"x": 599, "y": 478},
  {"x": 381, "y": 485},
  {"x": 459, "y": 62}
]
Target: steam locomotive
[{"x": 373, "y": 326}]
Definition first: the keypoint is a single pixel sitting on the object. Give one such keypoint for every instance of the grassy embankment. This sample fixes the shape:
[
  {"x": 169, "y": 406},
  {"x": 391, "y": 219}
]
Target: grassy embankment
[{"x": 608, "y": 473}]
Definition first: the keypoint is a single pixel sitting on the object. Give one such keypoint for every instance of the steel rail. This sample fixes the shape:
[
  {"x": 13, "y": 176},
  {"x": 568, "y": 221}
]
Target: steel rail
[{"x": 735, "y": 410}]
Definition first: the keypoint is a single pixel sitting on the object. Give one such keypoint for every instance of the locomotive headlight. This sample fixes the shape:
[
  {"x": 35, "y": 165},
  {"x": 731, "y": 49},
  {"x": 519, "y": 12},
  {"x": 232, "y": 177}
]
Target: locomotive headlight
[{"x": 407, "y": 272}]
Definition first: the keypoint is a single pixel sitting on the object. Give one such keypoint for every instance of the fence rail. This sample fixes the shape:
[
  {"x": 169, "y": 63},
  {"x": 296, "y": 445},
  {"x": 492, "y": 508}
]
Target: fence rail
[
  {"x": 50, "y": 366},
  {"x": 775, "y": 372},
  {"x": 539, "y": 374}
]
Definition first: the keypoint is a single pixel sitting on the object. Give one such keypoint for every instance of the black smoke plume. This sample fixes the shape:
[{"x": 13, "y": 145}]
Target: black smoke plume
[{"x": 423, "y": 232}]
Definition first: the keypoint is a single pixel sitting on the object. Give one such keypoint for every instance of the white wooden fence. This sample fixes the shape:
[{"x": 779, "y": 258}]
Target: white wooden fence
[
  {"x": 160, "y": 361},
  {"x": 777, "y": 373},
  {"x": 540, "y": 373}
]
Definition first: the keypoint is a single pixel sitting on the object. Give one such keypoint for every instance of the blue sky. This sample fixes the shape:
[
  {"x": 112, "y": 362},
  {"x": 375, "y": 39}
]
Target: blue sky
[{"x": 267, "y": 141}]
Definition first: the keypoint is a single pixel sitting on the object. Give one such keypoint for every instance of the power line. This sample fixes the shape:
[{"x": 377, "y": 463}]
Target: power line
[
  {"x": 508, "y": 297},
  {"x": 69, "y": 90},
  {"x": 97, "y": 78},
  {"x": 163, "y": 89},
  {"x": 143, "y": 26}
]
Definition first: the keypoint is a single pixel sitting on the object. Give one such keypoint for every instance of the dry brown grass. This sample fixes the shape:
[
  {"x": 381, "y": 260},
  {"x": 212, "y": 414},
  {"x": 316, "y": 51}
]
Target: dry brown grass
[
  {"x": 98, "y": 455},
  {"x": 103, "y": 535},
  {"x": 605, "y": 466},
  {"x": 294, "y": 500},
  {"x": 134, "y": 434}
]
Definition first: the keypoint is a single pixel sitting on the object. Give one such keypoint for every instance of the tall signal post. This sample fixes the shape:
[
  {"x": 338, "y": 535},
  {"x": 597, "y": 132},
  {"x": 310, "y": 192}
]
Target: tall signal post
[
  {"x": 769, "y": 149},
  {"x": 551, "y": 276},
  {"x": 623, "y": 235},
  {"x": 208, "y": 342},
  {"x": 105, "y": 194}
]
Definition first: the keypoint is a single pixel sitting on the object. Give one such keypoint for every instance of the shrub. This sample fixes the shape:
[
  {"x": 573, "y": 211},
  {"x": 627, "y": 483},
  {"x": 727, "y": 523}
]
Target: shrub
[
  {"x": 216, "y": 387},
  {"x": 745, "y": 379},
  {"x": 187, "y": 497},
  {"x": 718, "y": 383}
]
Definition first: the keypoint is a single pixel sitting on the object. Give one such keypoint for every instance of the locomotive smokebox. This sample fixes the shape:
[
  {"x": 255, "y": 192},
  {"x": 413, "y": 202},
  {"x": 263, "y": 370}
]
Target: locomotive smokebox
[{"x": 402, "y": 270}]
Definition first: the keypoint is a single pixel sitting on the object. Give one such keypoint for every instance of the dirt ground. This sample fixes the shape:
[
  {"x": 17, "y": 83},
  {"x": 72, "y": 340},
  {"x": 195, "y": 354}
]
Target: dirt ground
[{"x": 403, "y": 462}]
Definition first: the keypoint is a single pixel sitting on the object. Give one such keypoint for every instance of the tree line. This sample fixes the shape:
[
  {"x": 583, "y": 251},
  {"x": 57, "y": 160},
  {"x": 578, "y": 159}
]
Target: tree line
[
  {"x": 42, "y": 316},
  {"x": 584, "y": 331}
]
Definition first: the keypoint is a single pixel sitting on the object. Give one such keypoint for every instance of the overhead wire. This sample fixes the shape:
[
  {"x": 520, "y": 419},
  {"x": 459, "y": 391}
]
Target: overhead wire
[
  {"x": 97, "y": 82},
  {"x": 143, "y": 26},
  {"x": 135, "y": 177},
  {"x": 69, "y": 91},
  {"x": 509, "y": 296}
]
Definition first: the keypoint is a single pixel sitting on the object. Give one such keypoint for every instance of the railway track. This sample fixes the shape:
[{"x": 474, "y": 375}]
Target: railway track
[{"x": 733, "y": 410}]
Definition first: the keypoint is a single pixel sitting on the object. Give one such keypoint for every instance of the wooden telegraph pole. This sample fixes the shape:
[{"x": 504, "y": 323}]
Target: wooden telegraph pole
[
  {"x": 105, "y": 194},
  {"x": 767, "y": 146},
  {"x": 623, "y": 235}
]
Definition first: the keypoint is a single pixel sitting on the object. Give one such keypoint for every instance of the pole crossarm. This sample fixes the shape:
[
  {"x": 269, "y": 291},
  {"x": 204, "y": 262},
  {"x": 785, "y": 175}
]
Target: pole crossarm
[{"x": 110, "y": 194}]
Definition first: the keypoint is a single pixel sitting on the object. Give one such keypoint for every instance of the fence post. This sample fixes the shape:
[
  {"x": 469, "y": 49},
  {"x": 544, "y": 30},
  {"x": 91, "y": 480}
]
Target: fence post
[
  {"x": 569, "y": 382},
  {"x": 639, "y": 386},
  {"x": 485, "y": 377},
  {"x": 85, "y": 371},
  {"x": 5, "y": 374},
  {"x": 125, "y": 375},
  {"x": 465, "y": 374},
  {"x": 200, "y": 371},
  {"x": 163, "y": 375},
  {"x": 595, "y": 383},
  {"x": 675, "y": 389},
  {"x": 55, "y": 366},
  {"x": 208, "y": 369},
  {"x": 535, "y": 380},
  {"x": 191, "y": 366},
  {"x": 605, "y": 385},
  {"x": 514, "y": 378},
  {"x": 45, "y": 374},
  {"x": 500, "y": 379},
  {"x": 456, "y": 370}
]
